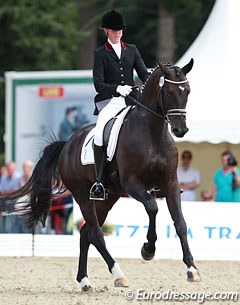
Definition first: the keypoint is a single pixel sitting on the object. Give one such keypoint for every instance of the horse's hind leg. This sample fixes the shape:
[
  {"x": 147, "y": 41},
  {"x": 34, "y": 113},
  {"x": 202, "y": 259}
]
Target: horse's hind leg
[
  {"x": 174, "y": 206},
  {"x": 82, "y": 276},
  {"x": 92, "y": 234}
]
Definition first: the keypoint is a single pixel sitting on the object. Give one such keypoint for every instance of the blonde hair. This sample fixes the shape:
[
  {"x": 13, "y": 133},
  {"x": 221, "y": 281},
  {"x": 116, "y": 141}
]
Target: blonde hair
[{"x": 28, "y": 163}]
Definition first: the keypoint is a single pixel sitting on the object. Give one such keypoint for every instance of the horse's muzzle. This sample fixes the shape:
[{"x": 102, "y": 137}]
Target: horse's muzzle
[{"x": 179, "y": 132}]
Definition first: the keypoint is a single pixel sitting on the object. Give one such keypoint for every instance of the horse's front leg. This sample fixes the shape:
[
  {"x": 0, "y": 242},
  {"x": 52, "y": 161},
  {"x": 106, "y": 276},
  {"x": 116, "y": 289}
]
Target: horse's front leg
[
  {"x": 138, "y": 191},
  {"x": 174, "y": 206}
]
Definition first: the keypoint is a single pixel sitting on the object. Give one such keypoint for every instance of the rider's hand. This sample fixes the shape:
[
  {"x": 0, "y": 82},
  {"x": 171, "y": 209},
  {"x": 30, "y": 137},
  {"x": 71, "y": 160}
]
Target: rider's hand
[{"x": 124, "y": 90}]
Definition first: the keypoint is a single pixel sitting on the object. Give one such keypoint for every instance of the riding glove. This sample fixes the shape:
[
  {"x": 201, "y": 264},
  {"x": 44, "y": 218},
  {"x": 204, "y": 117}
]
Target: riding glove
[{"x": 124, "y": 90}]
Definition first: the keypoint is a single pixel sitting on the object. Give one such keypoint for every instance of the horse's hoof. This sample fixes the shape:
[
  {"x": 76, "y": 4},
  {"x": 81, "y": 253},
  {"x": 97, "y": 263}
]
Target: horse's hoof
[
  {"x": 146, "y": 255},
  {"x": 86, "y": 285},
  {"x": 87, "y": 289},
  {"x": 193, "y": 275},
  {"x": 121, "y": 282}
]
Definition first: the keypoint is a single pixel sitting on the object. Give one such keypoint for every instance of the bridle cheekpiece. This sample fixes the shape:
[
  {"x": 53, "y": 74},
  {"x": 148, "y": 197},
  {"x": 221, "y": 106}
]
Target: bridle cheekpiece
[{"x": 175, "y": 111}]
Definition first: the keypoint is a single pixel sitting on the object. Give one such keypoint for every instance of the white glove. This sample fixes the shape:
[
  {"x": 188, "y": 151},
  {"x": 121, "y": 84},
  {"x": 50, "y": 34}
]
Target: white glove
[{"x": 124, "y": 90}]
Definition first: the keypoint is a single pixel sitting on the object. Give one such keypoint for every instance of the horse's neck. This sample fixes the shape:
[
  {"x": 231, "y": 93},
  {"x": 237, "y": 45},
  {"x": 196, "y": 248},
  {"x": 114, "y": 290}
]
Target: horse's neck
[
  {"x": 150, "y": 122},
  {"x": 150, "y": 96},
  {"x": 151, "y": 92}
]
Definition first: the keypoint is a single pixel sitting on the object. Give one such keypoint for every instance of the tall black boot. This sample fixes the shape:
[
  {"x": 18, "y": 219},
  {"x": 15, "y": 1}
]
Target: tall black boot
[{"x": 97, "y": 191}]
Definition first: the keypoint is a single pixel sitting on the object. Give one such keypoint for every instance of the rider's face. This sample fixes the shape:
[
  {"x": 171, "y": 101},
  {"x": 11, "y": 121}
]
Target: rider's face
[{"x": 114, "y": 35}]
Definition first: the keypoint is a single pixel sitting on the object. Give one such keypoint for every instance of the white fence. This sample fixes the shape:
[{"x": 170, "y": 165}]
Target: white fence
[{"x": 213, "y": 233}]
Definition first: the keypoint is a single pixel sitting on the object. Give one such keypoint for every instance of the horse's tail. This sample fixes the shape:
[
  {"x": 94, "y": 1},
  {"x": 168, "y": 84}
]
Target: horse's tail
[{"x": 39, "y": 188}]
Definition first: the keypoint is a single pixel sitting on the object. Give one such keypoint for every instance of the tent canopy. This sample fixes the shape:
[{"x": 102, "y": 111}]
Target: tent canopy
[{"x": 213, "y": 109}]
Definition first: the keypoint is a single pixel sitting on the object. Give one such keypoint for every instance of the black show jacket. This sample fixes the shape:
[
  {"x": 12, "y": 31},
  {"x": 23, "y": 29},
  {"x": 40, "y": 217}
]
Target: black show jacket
[{"x": 109, "y": 71}]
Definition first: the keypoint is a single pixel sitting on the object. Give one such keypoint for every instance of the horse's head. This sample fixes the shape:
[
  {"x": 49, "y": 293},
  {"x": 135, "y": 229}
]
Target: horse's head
[
  {"x": 174, "y": 94},
  {"x": 167, "y": 89}
]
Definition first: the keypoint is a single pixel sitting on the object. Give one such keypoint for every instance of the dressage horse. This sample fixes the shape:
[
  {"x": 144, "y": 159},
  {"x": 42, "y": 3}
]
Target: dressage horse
[{"x": 145, "y": 160}]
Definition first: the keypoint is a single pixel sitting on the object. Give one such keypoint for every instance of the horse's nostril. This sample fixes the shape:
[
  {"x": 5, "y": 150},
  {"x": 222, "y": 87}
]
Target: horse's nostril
[
  {"x": 175, "y": 130},
  {"x": 179, "y": 132}
]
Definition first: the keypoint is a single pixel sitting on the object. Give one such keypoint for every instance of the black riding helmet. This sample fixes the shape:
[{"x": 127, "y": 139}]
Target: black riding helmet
[{"x": 113, "y": 20}]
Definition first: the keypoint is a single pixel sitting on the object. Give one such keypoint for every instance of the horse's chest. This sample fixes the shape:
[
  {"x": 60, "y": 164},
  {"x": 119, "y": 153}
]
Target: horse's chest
[{"x": 159, "y": 163}]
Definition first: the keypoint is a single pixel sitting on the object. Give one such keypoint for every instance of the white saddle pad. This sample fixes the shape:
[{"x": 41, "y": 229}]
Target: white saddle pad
[{"x": 87, "y": 149}]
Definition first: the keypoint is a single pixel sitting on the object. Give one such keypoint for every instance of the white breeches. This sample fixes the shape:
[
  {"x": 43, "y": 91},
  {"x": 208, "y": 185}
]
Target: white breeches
[{"x": 109, "y": 111}]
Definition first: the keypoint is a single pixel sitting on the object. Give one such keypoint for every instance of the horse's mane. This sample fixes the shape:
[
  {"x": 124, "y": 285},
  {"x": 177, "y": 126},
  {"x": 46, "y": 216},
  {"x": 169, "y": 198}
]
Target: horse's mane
[{"x": 168, "y": 65}]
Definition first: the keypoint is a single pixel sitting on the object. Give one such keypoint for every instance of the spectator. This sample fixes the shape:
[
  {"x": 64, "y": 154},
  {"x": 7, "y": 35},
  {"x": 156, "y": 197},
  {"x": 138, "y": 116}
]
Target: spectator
[
  {"x": 62, "y": 206},
  {"x": 19, "y": 224},
  {"x": 27, "y": 169},
  {"x": 67, "y": 126},
  {"x": 206, "y": 195},
  {"x": 9, "y": 183},
  {"x": 188, "y": 177},
  {"x": 10, "y": 180},
  {"x": 3, "y": 170},
  {"x": 227, "y": 179}
]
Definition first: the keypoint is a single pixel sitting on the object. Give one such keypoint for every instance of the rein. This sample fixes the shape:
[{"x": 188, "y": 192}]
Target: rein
[
  {"x": 145, "y": 107},
  {"x": 170, "y": 112}
]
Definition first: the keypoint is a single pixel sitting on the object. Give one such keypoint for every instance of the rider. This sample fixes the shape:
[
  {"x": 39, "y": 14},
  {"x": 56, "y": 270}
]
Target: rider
[{"x": 113, "y": 67}]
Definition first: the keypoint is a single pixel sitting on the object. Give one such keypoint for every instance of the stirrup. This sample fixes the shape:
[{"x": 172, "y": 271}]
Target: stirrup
[{"x": 101, "y": 193}]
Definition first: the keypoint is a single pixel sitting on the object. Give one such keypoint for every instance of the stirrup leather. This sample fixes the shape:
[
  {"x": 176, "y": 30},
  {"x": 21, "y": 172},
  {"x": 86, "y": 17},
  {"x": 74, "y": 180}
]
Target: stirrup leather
[{"x": 102, "y": 193}]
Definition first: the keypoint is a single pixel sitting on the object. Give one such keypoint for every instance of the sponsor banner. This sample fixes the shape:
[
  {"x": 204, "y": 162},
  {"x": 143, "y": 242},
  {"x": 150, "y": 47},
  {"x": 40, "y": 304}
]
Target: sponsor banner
[{"x": 213, "y": 230}]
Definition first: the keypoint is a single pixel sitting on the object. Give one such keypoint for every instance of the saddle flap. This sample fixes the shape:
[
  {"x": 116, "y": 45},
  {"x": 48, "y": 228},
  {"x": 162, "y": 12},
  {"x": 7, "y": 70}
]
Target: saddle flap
[{"x": 112, "y": 132}]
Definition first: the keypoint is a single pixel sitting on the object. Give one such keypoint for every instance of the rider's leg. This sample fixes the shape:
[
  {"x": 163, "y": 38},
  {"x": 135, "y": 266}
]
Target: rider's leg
[{"x": 97, "y": 191}]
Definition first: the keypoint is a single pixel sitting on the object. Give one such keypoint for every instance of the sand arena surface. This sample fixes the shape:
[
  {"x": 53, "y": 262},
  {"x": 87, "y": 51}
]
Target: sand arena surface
[{"x": 51, "y": 281}]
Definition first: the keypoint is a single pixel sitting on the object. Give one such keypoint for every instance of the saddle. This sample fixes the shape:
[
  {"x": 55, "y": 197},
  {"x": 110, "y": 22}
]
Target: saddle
[{"x": 110, "y": 138}]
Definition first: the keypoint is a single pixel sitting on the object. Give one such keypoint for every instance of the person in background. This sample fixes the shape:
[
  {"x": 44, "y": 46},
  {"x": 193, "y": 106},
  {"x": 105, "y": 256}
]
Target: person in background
[
  {"x": 3, "y": 170},
  {"x": 62, "y": 207},
  {"x": 9, "y": 183},
  {"x": 227, "y": 179},
  {"x": 67, "y": 126},
  {"x": 188, "y": 177},
  {"x": 27, "y": 168},
  {"x": 114, "y": 63},
  {"x": 10, "y": 180},
  {"x": 206, "y": 195},
  {"x": 19, "y": 226}
]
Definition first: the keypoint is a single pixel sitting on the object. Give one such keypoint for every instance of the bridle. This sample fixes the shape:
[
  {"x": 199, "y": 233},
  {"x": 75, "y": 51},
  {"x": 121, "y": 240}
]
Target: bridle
[
  {"x": 170, "y": 112},
  {"x": 174, "y": 111}
]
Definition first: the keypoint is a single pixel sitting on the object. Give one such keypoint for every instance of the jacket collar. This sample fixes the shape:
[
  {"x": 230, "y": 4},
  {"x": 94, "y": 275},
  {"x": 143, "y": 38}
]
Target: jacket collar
[{"x": 109, "y": 47}]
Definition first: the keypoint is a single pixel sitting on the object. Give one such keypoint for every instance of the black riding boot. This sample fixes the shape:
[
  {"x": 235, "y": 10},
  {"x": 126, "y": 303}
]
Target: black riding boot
[{"x": 97, "y": 191}]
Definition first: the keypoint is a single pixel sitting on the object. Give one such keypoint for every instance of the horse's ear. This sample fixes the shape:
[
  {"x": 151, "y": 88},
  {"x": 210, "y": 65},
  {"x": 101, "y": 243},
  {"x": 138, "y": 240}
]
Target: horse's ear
[{"x": 188, "y": 67}]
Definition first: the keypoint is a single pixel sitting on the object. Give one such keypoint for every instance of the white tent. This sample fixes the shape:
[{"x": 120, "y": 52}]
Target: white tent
[{"x": 213, "y": 110}]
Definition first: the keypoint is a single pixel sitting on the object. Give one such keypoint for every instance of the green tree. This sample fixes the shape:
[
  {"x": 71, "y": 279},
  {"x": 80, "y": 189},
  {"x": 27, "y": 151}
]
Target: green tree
[
  {"x": 61, "y": 35},
  {"x": 37, "y": 35}
]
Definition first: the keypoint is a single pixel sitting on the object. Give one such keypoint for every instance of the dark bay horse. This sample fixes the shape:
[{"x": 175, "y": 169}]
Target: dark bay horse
[{"x": 145, "y": 160}]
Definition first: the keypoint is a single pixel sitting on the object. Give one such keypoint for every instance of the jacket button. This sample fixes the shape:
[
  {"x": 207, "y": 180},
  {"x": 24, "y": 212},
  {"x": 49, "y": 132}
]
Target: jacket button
[
  {"x": 121, "y": 68},
  {"x": 122, "y": 75},
  {"x": 122, "y": 81}
]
